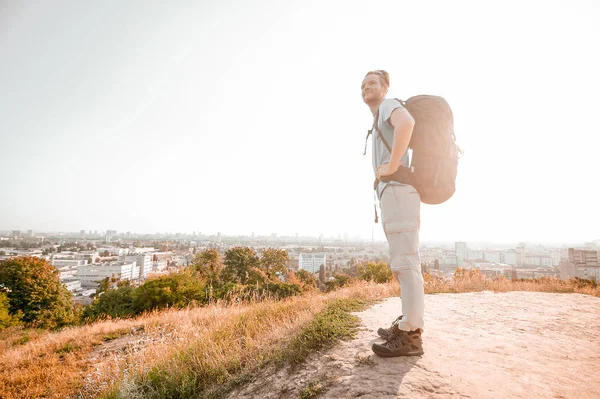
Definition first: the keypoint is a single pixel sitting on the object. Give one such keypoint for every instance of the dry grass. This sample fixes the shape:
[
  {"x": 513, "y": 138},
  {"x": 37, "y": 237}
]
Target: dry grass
[
  {"x": 473, "y": 280},
  {"x": 181, "y": 350},
  {"x": 220, "y": 342}
]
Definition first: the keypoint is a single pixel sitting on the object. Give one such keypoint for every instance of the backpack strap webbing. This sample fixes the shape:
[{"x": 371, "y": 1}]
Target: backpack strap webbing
[{"x": 403, "y": 174}]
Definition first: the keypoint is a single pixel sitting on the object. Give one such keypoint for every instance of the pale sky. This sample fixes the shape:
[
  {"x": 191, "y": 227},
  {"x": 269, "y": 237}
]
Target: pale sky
[{"x": 246, "y": 116}]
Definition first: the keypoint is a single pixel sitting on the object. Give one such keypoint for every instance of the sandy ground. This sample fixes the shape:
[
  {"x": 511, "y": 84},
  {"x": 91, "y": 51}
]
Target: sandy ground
[{"x": 477, "y": 345}]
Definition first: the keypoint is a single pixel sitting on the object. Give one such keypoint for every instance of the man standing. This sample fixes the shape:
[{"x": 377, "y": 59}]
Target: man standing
[{"x": 400, "y": 214}]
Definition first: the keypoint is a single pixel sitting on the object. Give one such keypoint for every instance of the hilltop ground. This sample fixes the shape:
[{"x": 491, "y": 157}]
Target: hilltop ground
[{"x": 477, "y": 345}]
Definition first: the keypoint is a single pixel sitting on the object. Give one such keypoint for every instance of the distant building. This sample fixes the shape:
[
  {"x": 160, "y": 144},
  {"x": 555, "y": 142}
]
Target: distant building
[
  {"x": 110, "y": 234},
  {"x": 72, "y": 285},
  {"x": 311, "y": 262},
  {"x": 462, "y": 252},
  {"x": 90, "y": 275},
  {"x": 581, "y": 263},
  {"x": 143, "y": 263}
]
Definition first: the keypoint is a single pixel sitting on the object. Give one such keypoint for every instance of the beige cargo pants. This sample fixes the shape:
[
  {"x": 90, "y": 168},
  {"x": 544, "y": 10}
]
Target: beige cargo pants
[{"x": 401, "y": 220}]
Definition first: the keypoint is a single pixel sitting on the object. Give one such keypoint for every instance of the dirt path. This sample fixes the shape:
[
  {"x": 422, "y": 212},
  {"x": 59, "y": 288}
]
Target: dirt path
[{"x": 477, "y": 345}]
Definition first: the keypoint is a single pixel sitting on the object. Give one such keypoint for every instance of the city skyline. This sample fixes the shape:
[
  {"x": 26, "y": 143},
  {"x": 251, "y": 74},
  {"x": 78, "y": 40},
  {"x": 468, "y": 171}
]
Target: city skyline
[
  {"x": 343, "y": 236},
  {"x": 154, "y": 117}
]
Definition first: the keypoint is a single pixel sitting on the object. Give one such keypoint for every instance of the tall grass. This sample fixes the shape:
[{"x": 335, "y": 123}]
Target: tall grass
[
  {"x": 203, "y": 351},
  {"x": 168, "y": 353},
  {"x": 473, "y": 280}
]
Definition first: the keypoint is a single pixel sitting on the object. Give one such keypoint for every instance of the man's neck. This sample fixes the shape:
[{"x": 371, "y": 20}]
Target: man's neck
[{"x": 375, "y": 107}]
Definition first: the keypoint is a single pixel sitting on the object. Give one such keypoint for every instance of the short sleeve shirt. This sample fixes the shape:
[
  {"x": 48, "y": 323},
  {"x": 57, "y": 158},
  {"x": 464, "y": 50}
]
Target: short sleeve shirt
[{"x": 380, "y": 152}]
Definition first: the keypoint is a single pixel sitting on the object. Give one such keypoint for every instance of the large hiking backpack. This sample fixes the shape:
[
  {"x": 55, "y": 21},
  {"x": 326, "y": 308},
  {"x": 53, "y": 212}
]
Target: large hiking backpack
[{"x": 434, "y": 161}]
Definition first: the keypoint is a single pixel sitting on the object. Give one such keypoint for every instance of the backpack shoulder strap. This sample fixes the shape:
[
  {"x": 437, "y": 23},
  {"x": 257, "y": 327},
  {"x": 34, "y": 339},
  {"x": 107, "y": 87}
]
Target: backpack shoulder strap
[
  {"x": 379, "y": 131},
  {"x": 381, "y": 135}
]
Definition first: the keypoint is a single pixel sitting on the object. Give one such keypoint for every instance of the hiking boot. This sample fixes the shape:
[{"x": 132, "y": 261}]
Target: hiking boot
[
  {"x": 385, "y": 332},
  {"x": 400, "y": 343}
]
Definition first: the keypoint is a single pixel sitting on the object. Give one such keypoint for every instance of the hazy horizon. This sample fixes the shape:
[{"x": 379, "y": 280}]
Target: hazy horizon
[{"x": 219, "y": 117}]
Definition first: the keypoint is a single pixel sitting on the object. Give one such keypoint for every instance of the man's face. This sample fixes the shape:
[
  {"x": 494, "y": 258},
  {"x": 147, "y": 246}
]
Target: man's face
[{"x": 372, "y": 90}]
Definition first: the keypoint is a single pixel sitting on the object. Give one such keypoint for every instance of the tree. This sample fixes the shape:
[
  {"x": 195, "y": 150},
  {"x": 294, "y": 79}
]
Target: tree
[
  {"x": 274, "y": 260},
  {"x": 322, "y": 273},
  {"x": 436, "y": 265},
  {"x": 208, "y": 265},
  {"x": 238, "y": 261},
  {"x": 307, "y": 279},
  {"x": 376, "y": 272},
  {"x": 7, "y": 319},
  {"x": 36, "y": 291},
  {"x": 113, "y": 302}
]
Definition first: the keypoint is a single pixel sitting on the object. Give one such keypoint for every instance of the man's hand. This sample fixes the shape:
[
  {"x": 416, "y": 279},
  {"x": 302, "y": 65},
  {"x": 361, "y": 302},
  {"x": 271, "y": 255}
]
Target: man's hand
[{"x": 384, "y": 170}]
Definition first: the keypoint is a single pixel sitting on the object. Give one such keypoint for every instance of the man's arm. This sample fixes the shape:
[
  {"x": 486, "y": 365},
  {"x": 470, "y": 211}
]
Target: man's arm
[{"x": 403, "y": 124}]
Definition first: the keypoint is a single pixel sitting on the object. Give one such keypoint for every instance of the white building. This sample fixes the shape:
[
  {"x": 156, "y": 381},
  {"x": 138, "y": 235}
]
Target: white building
[
  {"x": 462, "y": 252},
  {"x": 140, "y": 250},
  {"x": 311, "y": 262},
  {"x": 68, "y": 262},
  {"x": 91, "y": 275},
  {"x": 143, "y": 263},
  {"x": 113, "y": 250},
  {"x": 72, "y": 285}
]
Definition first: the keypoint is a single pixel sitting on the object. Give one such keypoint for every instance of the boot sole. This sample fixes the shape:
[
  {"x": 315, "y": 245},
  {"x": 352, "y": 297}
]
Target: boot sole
[{"x": 399, "y": 355}]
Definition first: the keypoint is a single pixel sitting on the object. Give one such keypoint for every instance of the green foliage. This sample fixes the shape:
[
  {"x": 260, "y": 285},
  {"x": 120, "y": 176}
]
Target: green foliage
[
  {"x": 112, "y": 302},
  {"x": 339, "y": 280},
  {"x": 238, "y": 262},
  {"x": 257, "y": 276},
  {"x": 328, "y": 327},
  {"x": 307, "y": 279},
  {"x": 274, "y": 261},
  {"x": 174, "y": 290},
  {"x": 7, "y": 319},
  {"x": 208, "y": 265},
  {"x": 377, "y": 272},
  {"x": 34, "y": 289},
  {"x": 313, "y": 390}
]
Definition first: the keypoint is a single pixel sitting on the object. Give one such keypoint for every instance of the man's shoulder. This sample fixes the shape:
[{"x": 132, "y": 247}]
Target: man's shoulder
[
  {"x": 387, "y": 106},
  {"x": 389, "y": 103}
]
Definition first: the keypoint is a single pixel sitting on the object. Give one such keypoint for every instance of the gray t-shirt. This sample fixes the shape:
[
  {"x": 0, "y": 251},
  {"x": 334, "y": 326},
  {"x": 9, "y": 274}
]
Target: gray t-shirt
[{"x": 380, "y": 152}]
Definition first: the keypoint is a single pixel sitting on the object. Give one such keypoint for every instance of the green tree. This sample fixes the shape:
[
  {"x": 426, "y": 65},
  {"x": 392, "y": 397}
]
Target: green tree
[
  {"x": 306, "y": 279},
  {"x": 377, "y": 272},
  {"x": 112, "y": 302},
  {"x": 36, "y": 291},
  {"x": 238, "y": 262},
  {"x": 6, "y": 318},
  {"x": 322, "y": 273},
  {"x": 208, "y": 265},
  {"x": 274, "y": 261}
]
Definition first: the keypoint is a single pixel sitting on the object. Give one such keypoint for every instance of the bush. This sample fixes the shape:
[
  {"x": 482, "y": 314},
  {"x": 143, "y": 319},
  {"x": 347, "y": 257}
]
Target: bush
[
  {"x": 339, "y": 280},
  {"x": 174, "y": 290},
  {"x": 112, "y": 302},
  {"x": 377, "y": 272}
]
